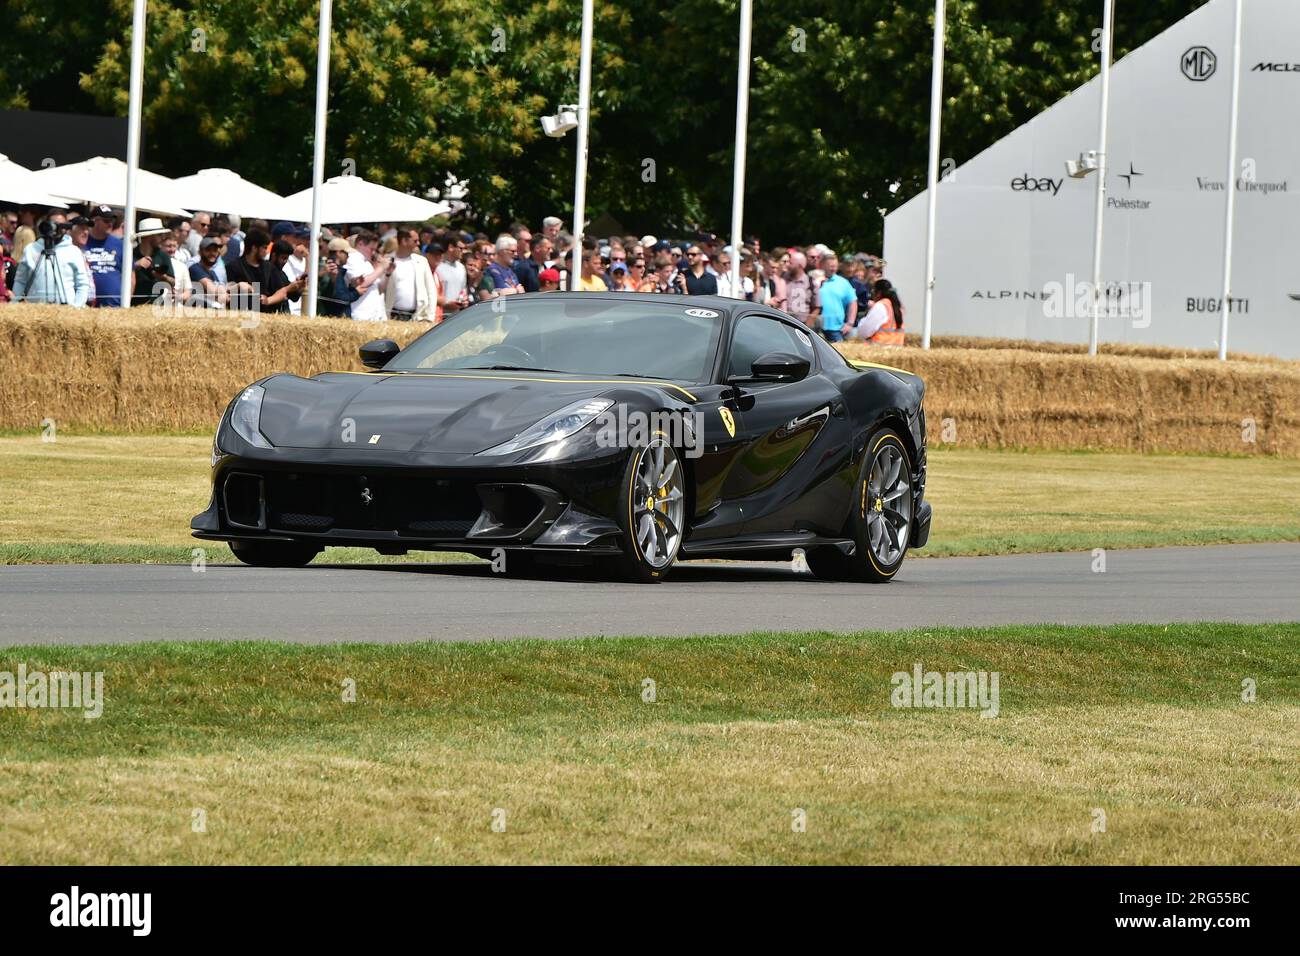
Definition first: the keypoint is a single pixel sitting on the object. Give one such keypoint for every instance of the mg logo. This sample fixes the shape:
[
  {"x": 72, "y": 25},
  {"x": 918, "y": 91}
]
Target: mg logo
[{"x": 1199, "y": 63}]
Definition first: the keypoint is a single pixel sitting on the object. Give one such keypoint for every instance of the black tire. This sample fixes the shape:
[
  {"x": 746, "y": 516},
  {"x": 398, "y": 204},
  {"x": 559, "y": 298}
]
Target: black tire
[
  {"x": 275, "y": 554},
  {"x": 666, "y": 513},
  {"x": 873, "y": 563}
]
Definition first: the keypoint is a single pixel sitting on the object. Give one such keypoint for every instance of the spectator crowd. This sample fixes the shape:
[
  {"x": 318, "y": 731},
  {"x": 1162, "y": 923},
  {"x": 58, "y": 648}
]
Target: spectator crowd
[{"x": 419, "y": 272}]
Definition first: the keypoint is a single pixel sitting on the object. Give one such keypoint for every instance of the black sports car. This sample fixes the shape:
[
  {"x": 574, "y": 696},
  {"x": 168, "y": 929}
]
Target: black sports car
[{"x": 565, "y": 427}]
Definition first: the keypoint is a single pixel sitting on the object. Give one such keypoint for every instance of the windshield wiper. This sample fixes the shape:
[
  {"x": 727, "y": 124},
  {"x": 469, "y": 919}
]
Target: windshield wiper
[
  {"x": 658, "y": 378},
  {"x": 511, "y": 368}
]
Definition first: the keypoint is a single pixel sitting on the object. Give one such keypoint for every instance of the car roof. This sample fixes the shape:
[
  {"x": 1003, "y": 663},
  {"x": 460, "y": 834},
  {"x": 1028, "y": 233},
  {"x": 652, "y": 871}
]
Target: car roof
[{"x": 719, "y": 302}]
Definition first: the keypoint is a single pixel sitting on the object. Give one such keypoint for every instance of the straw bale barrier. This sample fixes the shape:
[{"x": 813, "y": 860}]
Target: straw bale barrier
[{"x": 135, "y": 371}]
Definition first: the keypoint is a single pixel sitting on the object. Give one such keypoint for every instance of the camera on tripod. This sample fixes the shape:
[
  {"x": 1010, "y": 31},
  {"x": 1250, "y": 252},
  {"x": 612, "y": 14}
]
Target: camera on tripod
[{"x": 52, "y": 232}]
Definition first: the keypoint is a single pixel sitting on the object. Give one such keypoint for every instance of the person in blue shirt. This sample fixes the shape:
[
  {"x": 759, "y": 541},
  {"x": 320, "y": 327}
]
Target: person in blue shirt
[
  {"x": 838, "y": 300},
  {"x": 104, "y": 253}
]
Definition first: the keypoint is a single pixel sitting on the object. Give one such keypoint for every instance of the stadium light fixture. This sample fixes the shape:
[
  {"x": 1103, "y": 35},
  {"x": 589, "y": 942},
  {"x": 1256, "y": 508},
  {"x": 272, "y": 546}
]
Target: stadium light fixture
[
  {"x": 563, "y": 121},
  {"x": 1086, "y": 163}
]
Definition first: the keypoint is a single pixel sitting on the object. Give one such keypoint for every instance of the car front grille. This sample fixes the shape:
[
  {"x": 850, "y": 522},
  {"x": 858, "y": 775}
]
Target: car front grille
[{"x": 320, "y": 503}]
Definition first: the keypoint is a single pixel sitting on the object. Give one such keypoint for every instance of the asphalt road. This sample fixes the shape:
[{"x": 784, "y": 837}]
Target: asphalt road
[{"x": 50, "y": 604}]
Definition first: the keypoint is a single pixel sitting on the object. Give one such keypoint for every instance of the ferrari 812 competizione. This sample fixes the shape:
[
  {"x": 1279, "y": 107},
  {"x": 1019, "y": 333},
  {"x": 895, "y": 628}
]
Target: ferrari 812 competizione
[{"x": 636, "y": 430}]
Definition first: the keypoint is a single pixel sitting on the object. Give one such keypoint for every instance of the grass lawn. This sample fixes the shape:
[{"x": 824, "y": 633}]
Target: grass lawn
[
  {"x": 130, "y": 498},
  {"x": 1143, "y": 724}
]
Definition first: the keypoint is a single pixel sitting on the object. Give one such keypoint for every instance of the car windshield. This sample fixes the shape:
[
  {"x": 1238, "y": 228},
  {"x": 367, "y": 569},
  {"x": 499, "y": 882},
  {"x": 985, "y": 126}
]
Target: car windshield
[{"x": 643, "y": 337}]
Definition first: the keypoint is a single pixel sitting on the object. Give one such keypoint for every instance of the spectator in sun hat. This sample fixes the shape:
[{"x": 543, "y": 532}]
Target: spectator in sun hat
[
  {"x": 153, "y": 274},
  {"x": 335, "y": 292}
]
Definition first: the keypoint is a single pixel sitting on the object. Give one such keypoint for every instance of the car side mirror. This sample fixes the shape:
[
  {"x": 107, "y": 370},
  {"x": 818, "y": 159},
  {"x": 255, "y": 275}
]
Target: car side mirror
[
  {"x": 780, "y": 367},
  {"x": 379, "y": 353}
]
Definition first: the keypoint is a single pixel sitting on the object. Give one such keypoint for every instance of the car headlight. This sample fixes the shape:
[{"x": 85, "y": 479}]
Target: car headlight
[
  {"x": 245, "y": 415},
  {"x": 557, "y": 426}
]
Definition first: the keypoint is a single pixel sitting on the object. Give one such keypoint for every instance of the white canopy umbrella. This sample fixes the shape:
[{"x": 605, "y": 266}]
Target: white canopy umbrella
[
  {"x": 351, "y": 199},
  {"x": 103, "y": 180},
  {"x": 17, "y": 186},
  {"x": 223, "y": 190}
]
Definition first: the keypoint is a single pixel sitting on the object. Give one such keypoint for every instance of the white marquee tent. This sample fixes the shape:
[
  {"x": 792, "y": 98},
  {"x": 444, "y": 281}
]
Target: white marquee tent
[
  {"x": 223, "y": 190},
  {"x": 349, "y": 199},
  {"x": 102, "y": 179},
  {"x": 18, "y": 187},
  {"x": 1014, "y": 233}
]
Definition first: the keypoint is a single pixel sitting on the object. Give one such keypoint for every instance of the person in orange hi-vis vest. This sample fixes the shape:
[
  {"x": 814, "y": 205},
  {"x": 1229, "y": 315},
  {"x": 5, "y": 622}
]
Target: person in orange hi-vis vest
[{"x": 883, "y": 323}]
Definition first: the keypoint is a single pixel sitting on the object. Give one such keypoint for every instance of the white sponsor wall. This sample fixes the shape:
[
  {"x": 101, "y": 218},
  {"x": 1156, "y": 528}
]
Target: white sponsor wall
[{"x": 1014, "y": 232}]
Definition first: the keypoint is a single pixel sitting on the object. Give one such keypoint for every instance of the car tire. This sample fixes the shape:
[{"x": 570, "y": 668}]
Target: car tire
[
  {"x": 652, "y": 512},
  {"x": 881, "y": 521},
  {"x": 274, "y": 554}
]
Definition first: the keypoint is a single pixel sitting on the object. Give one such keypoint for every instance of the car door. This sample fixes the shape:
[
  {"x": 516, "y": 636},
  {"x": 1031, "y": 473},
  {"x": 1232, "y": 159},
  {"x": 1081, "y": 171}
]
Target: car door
[{"x": 793, "y": 435}]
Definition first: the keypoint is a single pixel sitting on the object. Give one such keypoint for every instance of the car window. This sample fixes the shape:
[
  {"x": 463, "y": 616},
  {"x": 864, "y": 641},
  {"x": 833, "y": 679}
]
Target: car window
[
  {"x": 756, "y": 335},
  {"x": 638, "y": 336}
]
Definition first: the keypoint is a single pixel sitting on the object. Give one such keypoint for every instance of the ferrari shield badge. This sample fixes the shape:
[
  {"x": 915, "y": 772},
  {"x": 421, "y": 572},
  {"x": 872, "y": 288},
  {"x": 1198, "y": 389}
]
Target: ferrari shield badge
[{"x": 729, "y": 420}]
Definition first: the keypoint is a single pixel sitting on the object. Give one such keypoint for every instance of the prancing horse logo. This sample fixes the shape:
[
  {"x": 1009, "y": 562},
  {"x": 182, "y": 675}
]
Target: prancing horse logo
[
  {"x": 729, "y": 420},
  {"x": 366, "y": 496}
]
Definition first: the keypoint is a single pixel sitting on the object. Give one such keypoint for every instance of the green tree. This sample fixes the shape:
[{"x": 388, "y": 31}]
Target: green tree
[{"x": 839, "y": 102}]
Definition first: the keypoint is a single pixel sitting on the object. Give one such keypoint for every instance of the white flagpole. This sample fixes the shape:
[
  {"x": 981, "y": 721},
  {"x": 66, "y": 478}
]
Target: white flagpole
[
  {"x": 1103, "y": 163},
  {"x": 580, "y": 165},
  {"x": 1225, "y": 300},
  {"x": 318, "y": 150},
  {"x": 136, "y": 97},
  {"x": 932, "y": 193},
  {"x": 738, "y": 162}
]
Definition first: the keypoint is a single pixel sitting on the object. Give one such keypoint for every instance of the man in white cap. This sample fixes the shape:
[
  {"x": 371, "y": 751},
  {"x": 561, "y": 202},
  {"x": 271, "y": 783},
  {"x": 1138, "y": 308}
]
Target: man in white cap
[{"x": 153, "y": 274}]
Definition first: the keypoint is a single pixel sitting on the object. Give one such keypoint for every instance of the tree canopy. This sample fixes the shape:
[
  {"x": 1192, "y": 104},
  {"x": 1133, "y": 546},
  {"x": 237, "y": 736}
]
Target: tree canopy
[{"x": 839, "y": 100}]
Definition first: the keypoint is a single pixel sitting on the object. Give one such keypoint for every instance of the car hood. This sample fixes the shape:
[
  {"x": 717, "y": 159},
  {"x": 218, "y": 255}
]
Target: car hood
[{"x": 433, "y": 412}]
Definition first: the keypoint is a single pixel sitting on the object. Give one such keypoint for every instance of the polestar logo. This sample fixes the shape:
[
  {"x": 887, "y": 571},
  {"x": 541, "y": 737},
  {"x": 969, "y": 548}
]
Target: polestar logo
[
  {"x": 366, "y": 496},
  {"x": 374, "y": 439},
  {"x": 1128, "y": 177}
]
